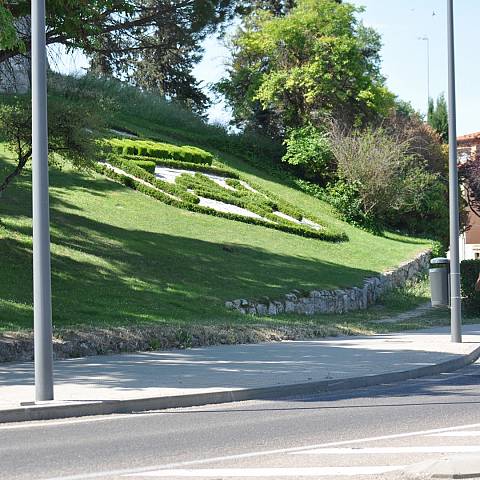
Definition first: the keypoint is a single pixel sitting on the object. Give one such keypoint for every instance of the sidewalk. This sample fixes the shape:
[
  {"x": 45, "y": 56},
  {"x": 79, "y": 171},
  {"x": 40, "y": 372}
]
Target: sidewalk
[{"x": 154, "y": 380}]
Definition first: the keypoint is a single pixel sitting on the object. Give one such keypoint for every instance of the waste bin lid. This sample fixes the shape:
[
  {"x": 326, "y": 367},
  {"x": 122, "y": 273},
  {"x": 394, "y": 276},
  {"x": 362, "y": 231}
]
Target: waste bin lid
[{"x": 440, "y": 261}]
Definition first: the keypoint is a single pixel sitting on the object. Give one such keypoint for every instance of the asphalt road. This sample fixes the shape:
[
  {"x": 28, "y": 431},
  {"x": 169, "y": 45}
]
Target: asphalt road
[{"x": 367, "y": 433}]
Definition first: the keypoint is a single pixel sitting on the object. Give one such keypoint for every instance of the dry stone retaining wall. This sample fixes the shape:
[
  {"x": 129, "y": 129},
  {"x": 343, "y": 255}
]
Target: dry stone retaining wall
[{"x": 336, "y": 301}]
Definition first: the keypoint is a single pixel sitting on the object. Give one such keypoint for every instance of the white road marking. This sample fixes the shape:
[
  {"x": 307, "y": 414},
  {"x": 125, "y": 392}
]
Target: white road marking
[
  {"x": 262, "y": 453},
  {"x": 466, "y": 433},
  {"x": 270, "y": 472},
  {"x": 391, "y": 450}
]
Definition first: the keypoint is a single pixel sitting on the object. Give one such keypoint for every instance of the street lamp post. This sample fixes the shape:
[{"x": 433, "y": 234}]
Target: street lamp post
[
  {"x": 42, "y": 304},
  {"x": 455, "y": 299},
  {"x": 427, "y": 40}
]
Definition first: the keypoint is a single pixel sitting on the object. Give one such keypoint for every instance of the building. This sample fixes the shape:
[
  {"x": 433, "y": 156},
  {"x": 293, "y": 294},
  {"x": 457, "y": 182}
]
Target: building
[{"x": 469, "y": 147}]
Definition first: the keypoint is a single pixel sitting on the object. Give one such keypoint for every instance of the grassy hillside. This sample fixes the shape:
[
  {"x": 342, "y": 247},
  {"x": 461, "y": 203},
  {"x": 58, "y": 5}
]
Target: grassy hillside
[{"x": 119, "y": 256}]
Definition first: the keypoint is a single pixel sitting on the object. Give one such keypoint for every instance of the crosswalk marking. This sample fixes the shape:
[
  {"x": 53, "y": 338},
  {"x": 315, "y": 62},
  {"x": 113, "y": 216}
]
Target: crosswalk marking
[
  {"x": 390, "y": 450},
  {"x": 269, "y": 472}
]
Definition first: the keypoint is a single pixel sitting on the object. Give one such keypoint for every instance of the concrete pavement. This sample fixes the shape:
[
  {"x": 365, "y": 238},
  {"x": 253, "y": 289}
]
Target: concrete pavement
[{"x": 154, "y": 380}]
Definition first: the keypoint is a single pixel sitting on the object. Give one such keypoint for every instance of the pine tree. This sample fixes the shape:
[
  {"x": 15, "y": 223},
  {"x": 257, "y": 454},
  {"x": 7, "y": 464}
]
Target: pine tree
[{"x": 438, "y": 116}]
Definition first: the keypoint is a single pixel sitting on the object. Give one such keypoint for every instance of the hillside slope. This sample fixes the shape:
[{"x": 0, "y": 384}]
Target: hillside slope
[{"x": 119, "y": 256}]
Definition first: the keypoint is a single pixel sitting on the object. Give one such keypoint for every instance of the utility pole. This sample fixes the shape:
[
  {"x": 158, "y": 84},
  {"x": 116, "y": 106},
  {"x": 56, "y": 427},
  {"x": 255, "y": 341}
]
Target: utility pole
[
  {"x": 426, "y": 39},
  {"x": 42, "y": 301},
  {"x": 455, "y": 299}
]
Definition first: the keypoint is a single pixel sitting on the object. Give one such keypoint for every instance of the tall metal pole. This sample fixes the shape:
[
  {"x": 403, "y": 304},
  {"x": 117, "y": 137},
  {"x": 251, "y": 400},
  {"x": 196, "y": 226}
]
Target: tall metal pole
[
  {"x": 42, "y": 304},
  {"x": 455, "y": 299}
]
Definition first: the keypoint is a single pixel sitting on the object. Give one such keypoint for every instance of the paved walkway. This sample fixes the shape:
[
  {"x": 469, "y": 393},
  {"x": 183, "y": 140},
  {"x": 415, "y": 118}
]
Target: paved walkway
[{"x": 239, "y": 368}]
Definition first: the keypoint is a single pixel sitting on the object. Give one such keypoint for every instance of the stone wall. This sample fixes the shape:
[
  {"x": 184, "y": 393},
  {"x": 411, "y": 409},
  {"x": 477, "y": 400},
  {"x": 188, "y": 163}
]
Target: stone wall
[{"x": 336, "y": 301}]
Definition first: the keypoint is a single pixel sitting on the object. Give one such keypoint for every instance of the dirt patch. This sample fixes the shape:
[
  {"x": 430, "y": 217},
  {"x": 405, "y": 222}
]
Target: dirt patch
[{"x": 82, "y": 342}]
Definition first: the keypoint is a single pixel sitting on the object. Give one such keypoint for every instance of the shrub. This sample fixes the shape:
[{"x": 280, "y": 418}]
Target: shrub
[
  {"x": 346, "y": 199},
  {"x": 309, "y": 149},
  {"x": 146, "y": 165},
  {"x": 469, "y": 274},
  {"x": 382, "y": 182}
]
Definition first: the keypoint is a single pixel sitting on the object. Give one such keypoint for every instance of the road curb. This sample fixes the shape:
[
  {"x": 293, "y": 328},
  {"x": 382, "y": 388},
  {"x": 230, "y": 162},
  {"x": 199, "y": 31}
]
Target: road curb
[{"x": 106, "y": 407}]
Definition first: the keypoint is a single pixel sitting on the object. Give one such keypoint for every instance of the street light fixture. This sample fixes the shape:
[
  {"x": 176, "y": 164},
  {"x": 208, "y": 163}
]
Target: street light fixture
[
  {"x": 455, "y": 299},
  {"x": 42, "y": 302}
]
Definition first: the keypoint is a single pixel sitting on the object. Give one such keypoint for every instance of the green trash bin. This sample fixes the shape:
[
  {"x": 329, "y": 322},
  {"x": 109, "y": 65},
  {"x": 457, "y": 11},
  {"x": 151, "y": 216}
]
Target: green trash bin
[{"x": 439, "y": 274}]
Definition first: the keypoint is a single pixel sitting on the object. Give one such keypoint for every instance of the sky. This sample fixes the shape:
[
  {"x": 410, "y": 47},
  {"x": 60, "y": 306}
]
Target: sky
[{"x": 404, "y": 57}]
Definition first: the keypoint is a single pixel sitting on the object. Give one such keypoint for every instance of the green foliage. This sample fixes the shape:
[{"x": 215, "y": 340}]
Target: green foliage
[
  {"x": 148, "y": 115},
  {"x": 438, "y": 116},
  {"x": 438, "y": 249},
  {"x": 155, "y": 44},
  {"x": 146, "y": 165},
  {"x": 133, "y": 169},
  {"x": 470, "y": 269},
  {"x": 152, "y": 149},
  {"x": 8, "y": 33},
  {"x": 309, "y": 148},
  {"x": 70, "y": 122},
  {"x": 390, "y": 185},
  {"x": 346, "y": 198},
  {"x": 292, "y": 70}
]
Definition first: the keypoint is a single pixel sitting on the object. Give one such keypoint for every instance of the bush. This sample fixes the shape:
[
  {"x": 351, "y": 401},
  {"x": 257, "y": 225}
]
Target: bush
[
  {"x": 309, "y": 149},
  {"x": 382, "y": 182},
  {"x": 146, "y": 165},
  {"x": 469, "y": 273},
  {"x": 346, "y": 199}
]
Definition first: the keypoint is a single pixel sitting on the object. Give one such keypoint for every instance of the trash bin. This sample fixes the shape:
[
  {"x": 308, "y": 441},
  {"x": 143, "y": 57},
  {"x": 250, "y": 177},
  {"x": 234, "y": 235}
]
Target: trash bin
[{"x": 439, "y": 274}]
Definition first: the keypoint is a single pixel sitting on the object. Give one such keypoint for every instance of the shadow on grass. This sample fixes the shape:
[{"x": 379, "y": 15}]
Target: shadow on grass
[{"x": 105, "y": 274}]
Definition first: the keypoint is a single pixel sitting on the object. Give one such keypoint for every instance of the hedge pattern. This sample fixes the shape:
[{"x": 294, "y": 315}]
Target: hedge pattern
[
  {"x": 177, "y": 195},
  {"x": 149, "y": 148},
  {"x": 196, "y": 167},
  {"x": 146, "y": 165}
]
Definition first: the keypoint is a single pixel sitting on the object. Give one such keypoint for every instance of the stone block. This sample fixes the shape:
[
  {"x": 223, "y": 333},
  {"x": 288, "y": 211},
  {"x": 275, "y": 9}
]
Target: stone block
[
  {"x": 289, "y": 306},
  {"x": 261, "y": 309}
]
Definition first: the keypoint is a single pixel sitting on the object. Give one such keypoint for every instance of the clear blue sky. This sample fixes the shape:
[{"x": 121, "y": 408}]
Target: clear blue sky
[{"x": 400, "y": 22}]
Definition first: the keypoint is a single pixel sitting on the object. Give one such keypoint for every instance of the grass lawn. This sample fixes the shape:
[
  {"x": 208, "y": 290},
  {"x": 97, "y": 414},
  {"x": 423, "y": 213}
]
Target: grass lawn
[{"x": 119, "y": 257}]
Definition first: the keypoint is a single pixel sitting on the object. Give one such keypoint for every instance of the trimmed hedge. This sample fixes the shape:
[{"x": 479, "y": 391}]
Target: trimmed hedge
[
  {"x": 469, "y": 273},
  {"x": 146, "y": 165},
  {"x": 130, "y": 167},
  {"x": 324, "y": 234},
  {"x": 196, "y": 167},
  {"x": 148, "y": 148}
]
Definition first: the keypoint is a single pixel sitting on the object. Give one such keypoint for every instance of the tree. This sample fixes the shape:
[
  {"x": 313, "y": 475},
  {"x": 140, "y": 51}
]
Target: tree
[
  {"x": 117, "y": 33},
  {"x": 71, "y": 117},
  {"x": 423, "y": 141},
  {"x": 293, "y": 70},
  {"x": 469, "y": 176},
  {"x": 438, "y": 116}
]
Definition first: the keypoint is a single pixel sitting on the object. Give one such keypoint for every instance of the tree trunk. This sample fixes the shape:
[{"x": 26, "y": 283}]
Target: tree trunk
[{"x": 18, "y": 170}]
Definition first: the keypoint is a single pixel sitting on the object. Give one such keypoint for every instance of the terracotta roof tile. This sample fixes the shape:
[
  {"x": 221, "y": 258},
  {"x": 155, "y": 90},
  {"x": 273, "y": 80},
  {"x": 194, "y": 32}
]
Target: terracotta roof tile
[{"x": 468, "y": 138}]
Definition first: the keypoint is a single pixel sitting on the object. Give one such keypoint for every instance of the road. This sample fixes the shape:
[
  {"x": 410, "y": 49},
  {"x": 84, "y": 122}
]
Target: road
[{"x": 367, "y": 433}]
